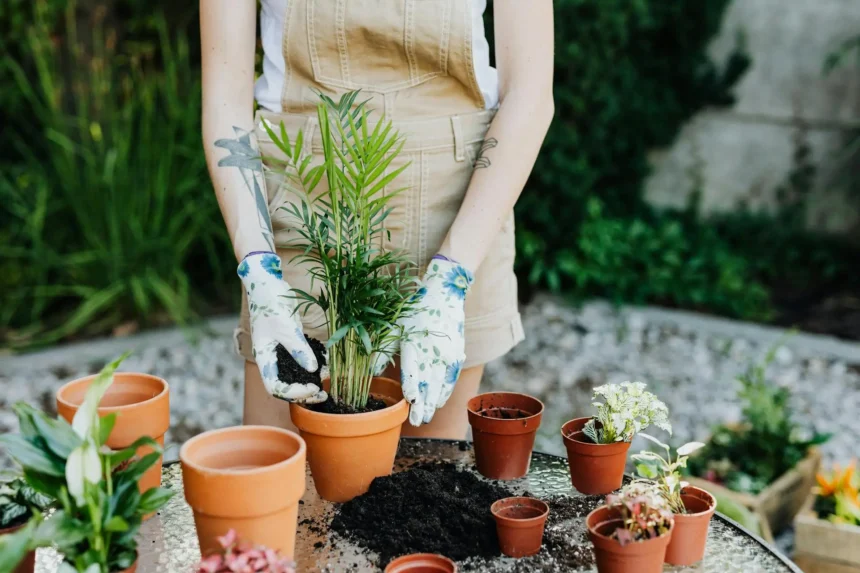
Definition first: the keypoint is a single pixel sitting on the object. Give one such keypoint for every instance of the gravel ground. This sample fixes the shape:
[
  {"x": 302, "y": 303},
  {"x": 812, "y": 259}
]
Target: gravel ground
[{"x": 691, "y": 363}]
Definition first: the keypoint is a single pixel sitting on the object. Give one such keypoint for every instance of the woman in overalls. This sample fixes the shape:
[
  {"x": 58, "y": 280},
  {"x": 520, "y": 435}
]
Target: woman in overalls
[{"x": 472, "y": 134}]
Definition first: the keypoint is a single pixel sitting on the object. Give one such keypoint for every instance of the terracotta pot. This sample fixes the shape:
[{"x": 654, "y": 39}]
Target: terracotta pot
[
  {"x": 519, "y": 523},
  {"x": 637, "y": 557},
  {"x": 595, "y": 469},
  {"x": 247, "y": 478},
  {"x": 422, "y": 563},
  {"x": 131, "y": 569},
  {"x": 503, "y": 446},
  {"x": 691, "y": 529},
  {"x": 142, "y": 405},
  {"x": 346, "y": 451},
  {"x": 28, "y": 564}
]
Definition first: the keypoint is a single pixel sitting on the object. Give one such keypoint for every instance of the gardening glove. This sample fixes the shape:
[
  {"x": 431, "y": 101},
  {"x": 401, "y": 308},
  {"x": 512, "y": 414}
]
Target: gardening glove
[
  {"x": 273, "y": 322},
  {"x": 433, "y": 349}
]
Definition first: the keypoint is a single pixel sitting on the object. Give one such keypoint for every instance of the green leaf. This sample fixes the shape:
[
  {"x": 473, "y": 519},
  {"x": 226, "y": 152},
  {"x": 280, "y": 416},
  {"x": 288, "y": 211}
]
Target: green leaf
[
  {"x": 14, "y": 546},
  {"x": 137, "y": 468},
  {"x": 60, "y": 529},
  {"x": 32, "y": 457},
  {"x": 57, "y": 434},
  {"x": 116, "y": 524},
  {"x": 153, "y": 499},
  {"x": 106, "y": 427}
]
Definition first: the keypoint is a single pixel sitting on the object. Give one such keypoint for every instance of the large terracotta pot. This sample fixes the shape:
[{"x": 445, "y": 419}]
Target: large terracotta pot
[
  {"x": 247, "y": 478},
  {"x": 503, "y": 445},
  {"x": 142, "y": 405},
  {"x": 346, "y": 451},
  {"x": 691, "y": 529},
  {"x": 595, "y": 469},
  {"x": 29, "y": 562},
  {"x": 612, "y": 557}
]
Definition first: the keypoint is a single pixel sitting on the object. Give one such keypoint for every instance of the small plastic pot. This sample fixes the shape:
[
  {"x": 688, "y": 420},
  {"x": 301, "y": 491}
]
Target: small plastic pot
[
  {"x": 520, "y": 523},
  {"x": 28, "y": 564},
  {"x": 503, "y": 441},
  {"x": 691, "y": 529},
  {"x": 422, "y": 563},
  {"x": 636, "y": 557},
  {"x": 595, "y": 469}
]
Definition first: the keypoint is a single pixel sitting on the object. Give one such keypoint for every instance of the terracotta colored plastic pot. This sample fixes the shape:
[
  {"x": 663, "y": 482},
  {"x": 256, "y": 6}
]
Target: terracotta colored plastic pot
[
  {"x": 346, "y": 451},
  {"x": 691, "y": 529},
  {"x": 612, "y": 557},
  {"x": 519, "y": 523},
  {"x": 142, "y": 406},
  {"x": 595, "y": 469},
  {"x": 503, "y": 442},
  {"x": 422, "y": 563},
  {"x": 29, "y": 562},
  {"x": 247, "y": 478}
]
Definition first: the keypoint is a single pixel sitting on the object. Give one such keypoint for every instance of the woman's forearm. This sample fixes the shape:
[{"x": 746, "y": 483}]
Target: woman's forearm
[
  {"x": 524, "y": 55},
  {"x": 228, "y": 39}
]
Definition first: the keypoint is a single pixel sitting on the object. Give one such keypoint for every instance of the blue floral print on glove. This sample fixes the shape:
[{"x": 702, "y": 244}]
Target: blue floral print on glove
[
  {"x": 273, "y": 322},
  {"x": 433, "y": 353}
]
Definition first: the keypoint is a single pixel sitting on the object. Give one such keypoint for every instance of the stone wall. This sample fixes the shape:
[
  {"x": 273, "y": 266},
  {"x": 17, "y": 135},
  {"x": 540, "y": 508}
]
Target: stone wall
[{"x": 745, "y": 153}]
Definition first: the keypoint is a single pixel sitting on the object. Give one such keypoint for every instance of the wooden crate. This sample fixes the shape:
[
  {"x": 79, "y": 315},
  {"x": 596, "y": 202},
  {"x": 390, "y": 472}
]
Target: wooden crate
[
  {"x": 824, "y": 547},
  {"x": 780, "y": 502}
]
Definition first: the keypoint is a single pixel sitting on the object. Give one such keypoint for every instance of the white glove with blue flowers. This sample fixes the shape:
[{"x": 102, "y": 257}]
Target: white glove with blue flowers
[
  {"x": 433, "y": 353},
  {"x": 273, "y": 322}
]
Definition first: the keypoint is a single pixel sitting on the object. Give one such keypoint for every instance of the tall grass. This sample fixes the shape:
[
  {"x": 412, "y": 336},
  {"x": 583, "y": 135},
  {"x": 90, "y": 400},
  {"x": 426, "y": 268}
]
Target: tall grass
[{"x": 110, "y": 216}]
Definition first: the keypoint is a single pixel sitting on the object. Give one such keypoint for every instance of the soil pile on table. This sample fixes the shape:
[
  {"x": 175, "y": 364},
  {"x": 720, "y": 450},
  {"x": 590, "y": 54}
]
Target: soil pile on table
[{"x": 430, "y": 508}]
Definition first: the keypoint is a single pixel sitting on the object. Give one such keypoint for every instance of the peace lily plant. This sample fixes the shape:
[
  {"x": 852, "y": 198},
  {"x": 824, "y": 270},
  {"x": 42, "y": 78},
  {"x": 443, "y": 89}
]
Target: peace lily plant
[
  {"x": 665, "y": 471},
  {"x": 365, "y": 288},
  {"x": 99, "y": 505},
  {"x": 626, "y": 410}
]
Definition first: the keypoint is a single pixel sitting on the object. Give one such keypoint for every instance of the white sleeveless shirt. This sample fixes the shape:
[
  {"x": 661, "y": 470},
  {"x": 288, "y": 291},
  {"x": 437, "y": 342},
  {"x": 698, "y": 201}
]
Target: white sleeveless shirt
[{"x": 270, "y": 85}]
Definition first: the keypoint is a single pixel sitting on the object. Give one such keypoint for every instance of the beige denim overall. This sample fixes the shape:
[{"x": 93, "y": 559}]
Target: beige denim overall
[{"x": 413, "y": 60}]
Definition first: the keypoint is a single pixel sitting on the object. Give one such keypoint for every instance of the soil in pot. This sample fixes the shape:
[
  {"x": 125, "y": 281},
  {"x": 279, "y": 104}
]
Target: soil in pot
[
  {"x": 430, "y": 508},
  {"x": 504, "y": 425},
  {"x": 690, "y": 535}
]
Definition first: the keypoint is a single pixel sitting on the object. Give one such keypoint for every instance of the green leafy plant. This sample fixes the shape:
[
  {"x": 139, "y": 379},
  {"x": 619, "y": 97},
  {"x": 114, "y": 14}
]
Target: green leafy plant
[
  {"x": 100, "y": 507},
  {"x": 644, "y": 512},
  {"x": 18, "y": 501},
  {"x": 766, "y": 444},
  {"x": 365, "y": 288},
  {"x": 626, "y": 410},
  {"x": 665, "y": 471}
]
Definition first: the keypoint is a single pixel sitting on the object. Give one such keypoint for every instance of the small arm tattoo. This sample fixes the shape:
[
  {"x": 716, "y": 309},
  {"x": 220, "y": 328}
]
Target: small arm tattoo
[
  {"x": 482, "y": 162},
  {"x": 245, "y": 155}
]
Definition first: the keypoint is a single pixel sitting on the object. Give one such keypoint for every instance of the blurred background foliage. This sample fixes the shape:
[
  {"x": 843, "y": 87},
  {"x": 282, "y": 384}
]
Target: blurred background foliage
[{"x": 108, "y": 221}]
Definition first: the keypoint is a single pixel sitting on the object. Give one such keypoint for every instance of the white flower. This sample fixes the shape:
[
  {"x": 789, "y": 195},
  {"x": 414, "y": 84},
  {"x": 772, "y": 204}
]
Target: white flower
[
  {"x": 689, "y": 448},
  {"x": 83, "y": 465},
  {"x": 86, "y": 420}
]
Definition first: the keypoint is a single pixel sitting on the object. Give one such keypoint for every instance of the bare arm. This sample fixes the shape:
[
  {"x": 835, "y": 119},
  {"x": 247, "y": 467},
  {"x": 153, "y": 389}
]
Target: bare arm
[
  {"x": 524, "y": 56},
  {"x": 228, "y": 39}
]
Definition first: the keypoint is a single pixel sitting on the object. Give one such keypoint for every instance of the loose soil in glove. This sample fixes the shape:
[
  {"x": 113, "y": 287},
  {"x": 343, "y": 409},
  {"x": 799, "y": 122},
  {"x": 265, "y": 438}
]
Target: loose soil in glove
[{"x": 430, "y": 508}]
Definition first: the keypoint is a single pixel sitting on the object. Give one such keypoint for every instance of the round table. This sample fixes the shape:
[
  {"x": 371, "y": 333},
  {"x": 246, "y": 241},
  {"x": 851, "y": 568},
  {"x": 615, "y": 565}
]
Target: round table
[{"x": 168, "y": 543}]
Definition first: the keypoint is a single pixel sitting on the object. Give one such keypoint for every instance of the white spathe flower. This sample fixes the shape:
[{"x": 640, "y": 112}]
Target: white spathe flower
[
  {"x": 83, "y": 466},
  {"x": 86, "y": 420},
  {"x": 689, "y": 448}
]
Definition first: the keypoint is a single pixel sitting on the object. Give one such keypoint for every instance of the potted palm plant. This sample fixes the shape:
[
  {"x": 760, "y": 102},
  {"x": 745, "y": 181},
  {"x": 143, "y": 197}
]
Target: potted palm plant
[
  {"x": 597, "y": 445},
  {"x": 99, "y": 504},
  {"x": 362, "y": 288}
]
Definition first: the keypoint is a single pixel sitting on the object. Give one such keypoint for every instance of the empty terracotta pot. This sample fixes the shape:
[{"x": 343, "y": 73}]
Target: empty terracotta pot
[
  {"x": 247, "y": 478},
  {"x": 28, "y": 564},
  {"x": 612, "y": 557},
  {"x": 691, "y": 529},
  {"x": 142, "y": 405},
  {"x": 595, "y": 469},
  {"x": 422, "y": 563},
  {"x": 503, "y": 429},
  {"x": 520, "y": 523},
  {"x": 346, "y": 451}
]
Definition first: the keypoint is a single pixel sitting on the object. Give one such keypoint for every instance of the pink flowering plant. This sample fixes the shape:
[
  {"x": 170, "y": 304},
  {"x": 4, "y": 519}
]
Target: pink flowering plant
[
  {"x": 643, "y": 510},
  {"x": 238, "y": 557}
]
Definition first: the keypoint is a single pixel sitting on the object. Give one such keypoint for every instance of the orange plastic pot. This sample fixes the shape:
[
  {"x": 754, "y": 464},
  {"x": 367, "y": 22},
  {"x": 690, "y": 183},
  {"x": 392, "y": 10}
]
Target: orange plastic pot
[
  {"x": 503, "y": 442},
  {"x": 612, "y": 557},
  {"x": 595, "y": 469},
  {"x": 142, "y": 405},
  {"x": 691, "y": 529},
  {"x": 422, "y": 563},
  {"x": 346, "y": 451},
  {"x": 247, "y": 478},
  {"x": 520, "y": 523},
  {"x": 28, "y": 564}
]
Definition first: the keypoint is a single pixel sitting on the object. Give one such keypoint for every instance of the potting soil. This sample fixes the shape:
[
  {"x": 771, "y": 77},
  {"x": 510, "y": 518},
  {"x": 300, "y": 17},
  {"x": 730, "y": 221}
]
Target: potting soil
[
  {"x": 429, "y": 508},
  {"x": 289, "y": 370}
]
